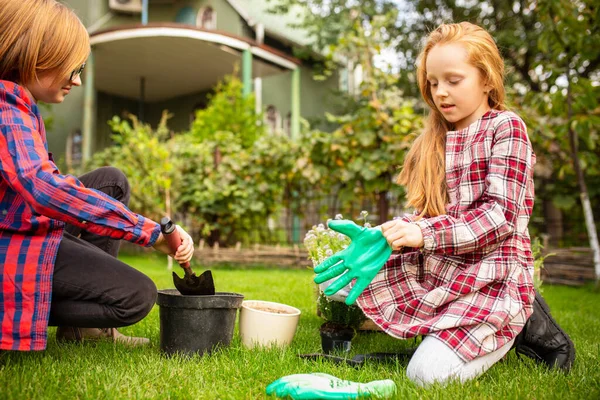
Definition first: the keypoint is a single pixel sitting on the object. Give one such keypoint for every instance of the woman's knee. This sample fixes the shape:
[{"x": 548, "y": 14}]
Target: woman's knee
[
  {"x": 106, "y": 177},
  {"x": 117, "y": 176},
  {"x": 141, "y": 301}
]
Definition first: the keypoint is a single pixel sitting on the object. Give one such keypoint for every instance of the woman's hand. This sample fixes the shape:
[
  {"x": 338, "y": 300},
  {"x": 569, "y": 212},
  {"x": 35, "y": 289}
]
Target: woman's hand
[
  {"x": 401, "y": 234},
  {"x": 185, "y": 251}
]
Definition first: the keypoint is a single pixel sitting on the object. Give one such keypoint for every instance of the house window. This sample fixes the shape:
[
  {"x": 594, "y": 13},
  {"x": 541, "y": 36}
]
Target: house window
[
  {"x": 207, "y": 18},
  {"x": 186, "y": 15},
  {"x": 272, "y": 118},
  {"x": 74, "y": 153},
  {"x": 344, "y": 80}
]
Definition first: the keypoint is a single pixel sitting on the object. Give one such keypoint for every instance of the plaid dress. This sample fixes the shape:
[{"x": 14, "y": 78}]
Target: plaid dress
[
  {"x": 35, "y": 202},
  {"x": 471, "y": 285}
]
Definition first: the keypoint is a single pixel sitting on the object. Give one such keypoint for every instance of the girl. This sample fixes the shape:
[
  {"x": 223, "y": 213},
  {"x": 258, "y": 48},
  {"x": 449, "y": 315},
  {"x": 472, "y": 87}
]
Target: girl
[
  {"x": 59, "y": 236},
  {"x": 463, "y": 274}
]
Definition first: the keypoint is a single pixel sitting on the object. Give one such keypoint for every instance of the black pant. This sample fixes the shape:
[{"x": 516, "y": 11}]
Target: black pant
[{"x": 90, "y": 287}]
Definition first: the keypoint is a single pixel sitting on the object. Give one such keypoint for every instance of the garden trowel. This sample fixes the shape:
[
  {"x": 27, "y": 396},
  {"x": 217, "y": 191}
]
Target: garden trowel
[
  {"x": 190, "y": 285},
  {"x": 359, "y": 359}
]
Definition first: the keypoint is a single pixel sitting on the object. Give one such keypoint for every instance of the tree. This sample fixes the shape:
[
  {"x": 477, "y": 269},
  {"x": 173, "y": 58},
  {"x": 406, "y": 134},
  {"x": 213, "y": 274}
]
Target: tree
[
  {"x": 361, "y": 157},
  {"x": 378, "y": 126},
  {"x": 234, "y": 172},
  {"x": 553, "y": 63},
  {"x": 572, "y": 41},
  {"x": 228, "y": 111}
]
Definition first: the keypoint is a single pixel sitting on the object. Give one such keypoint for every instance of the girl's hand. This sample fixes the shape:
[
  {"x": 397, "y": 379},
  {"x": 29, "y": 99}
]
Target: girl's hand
[
  {"x": 185, "y": 251},
  {"x": 401, "y": 234}
]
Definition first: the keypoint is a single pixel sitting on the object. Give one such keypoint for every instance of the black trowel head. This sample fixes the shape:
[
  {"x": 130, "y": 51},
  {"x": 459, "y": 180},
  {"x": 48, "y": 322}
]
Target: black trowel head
[{"x": 192, "y": 285}]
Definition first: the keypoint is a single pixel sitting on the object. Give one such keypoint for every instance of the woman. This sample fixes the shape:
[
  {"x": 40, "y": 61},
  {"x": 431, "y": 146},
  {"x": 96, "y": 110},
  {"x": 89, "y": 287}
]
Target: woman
[{"x": 59, "y": 235}]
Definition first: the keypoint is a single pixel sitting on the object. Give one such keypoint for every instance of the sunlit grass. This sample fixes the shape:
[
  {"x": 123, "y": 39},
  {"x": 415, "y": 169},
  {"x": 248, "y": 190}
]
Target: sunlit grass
[{"x": 107, "y": 371}]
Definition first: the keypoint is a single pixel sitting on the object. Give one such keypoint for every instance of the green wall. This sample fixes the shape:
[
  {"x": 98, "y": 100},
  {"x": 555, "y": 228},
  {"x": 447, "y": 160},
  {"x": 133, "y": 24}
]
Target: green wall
[
  {"x": 314, "y": 95},
  {"x": 227, "y": 18},
  {"x": 66, "y": 117},
  {"x": 108, "y": 106}
]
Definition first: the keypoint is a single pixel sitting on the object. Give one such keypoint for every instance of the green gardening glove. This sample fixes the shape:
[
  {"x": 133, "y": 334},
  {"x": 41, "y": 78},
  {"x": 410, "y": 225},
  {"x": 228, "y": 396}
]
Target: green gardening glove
[
  {"x": 361, "y": 260},
  {"x": 324, "y": 386}
]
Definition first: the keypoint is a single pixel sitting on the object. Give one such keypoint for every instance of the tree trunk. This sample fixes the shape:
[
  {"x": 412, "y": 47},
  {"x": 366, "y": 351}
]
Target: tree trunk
[
  {"x": 585, "y": 199},
  {"x": 554, "y": 222},
  {"x": 383, "y": 206}
]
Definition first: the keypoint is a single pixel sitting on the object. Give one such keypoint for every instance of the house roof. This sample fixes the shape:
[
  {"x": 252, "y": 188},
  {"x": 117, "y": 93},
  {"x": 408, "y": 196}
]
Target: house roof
[
  {"x": 174, "y": 59},
  {"x": 277, "y": 25}
]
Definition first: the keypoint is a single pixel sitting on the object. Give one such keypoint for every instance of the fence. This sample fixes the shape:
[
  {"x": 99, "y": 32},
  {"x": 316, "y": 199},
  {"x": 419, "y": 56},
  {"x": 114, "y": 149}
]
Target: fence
[
  {"x": 573, "y": 266},
  {"x": 291, "y": 225},
  {"x": 292, "y": 256}
]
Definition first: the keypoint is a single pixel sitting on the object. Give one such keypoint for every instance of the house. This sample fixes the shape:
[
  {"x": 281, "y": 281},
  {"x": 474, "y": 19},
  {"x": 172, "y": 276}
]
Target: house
[{"x": 151, "y": 55}]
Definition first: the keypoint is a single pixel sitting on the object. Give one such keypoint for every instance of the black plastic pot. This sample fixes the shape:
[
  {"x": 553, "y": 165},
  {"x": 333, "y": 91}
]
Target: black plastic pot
[
  {"x": 196, "y": 324},
  {"x": 335, "y": 338}
]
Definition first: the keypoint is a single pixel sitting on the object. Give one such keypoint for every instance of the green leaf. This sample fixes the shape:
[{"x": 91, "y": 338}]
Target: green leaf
[{"x": 564, "y": 202}]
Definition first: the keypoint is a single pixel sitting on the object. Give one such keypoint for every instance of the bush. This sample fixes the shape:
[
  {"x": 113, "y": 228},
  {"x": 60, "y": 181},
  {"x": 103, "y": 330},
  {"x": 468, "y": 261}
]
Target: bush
[{"x": 223, "y": 180}]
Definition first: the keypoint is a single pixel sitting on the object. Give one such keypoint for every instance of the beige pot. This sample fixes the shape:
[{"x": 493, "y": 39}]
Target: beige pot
[{"x": 264, "y": 323}]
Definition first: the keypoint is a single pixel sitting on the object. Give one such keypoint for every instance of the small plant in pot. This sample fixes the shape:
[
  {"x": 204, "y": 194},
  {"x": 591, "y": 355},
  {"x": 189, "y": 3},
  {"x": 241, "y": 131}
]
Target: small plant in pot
[
  {"x": 342, "y": 321},
  {"x": 341, "y": 324}
]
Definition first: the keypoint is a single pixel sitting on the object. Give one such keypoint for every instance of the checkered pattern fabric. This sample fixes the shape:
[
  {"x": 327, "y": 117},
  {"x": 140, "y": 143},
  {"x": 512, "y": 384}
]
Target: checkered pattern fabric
[
  {"x": 471, "y": 285},
  {"x": 35, "y": 202}
]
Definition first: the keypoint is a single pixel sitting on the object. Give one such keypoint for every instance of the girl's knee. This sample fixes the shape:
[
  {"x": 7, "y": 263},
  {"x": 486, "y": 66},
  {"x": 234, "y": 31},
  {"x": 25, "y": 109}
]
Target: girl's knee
[
  {"x": 415, "y": 373},
  {"x": 433, "y": 362},
  {"x": 423, "y": 374},
  {"x": 420, "y": 373}
]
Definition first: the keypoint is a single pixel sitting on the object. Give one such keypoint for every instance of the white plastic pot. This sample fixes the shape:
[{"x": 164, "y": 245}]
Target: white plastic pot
[{"x": 264, "y": 323}]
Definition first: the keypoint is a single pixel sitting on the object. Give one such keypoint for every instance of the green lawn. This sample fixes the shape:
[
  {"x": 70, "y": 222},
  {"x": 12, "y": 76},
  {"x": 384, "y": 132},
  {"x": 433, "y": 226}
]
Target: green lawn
[{"x": 107, "y": 371}]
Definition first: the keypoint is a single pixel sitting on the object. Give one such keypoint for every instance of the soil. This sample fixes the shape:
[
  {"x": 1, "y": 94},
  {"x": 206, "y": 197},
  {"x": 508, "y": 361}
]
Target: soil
[
  {"x": 336, "y": 337},
  {"x": 270, "y": 310},
  {"x": 337, "y": 330}
]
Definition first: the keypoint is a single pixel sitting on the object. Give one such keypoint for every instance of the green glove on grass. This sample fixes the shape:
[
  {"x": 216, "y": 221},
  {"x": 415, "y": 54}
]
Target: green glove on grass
[
  {"x": 324, "y": 386},
  {"x": 361, "y": 260}
]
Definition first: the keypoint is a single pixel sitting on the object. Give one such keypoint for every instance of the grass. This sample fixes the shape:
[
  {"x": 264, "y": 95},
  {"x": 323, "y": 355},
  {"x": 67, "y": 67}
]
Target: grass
[{"x": 107, "y": 371}]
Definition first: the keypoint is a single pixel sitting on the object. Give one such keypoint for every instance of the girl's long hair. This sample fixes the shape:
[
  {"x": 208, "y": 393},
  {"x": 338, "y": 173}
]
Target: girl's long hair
[
  {"x": 40, "y": 36},
  {"x": 424, "y": 170}
]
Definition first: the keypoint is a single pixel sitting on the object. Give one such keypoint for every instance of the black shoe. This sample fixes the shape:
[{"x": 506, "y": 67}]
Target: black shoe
[{"x": 543, "y": 340}]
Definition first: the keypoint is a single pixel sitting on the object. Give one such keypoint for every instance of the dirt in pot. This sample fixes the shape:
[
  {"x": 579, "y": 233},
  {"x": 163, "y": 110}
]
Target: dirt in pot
[
  {"x": 336, "y": 337},
  {"x": 338, "y": 330},
  {"x": 270, "y": 310}
]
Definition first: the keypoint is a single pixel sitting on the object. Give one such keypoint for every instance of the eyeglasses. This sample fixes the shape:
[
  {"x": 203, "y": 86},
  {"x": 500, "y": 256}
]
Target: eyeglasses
[{"x": 76, "y": 72}]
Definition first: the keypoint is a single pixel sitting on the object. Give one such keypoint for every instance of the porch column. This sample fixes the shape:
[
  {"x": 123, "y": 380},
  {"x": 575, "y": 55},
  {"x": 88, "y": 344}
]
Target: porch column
[
  {"x": 295, "y": 128},
  {"x": 144, "y": 12},
  {"x": 295, "y": 132},
  {"x": 247, "y": 72},
  {"x": 89, "y": 109},
  {"x": 258, "y": 95}
]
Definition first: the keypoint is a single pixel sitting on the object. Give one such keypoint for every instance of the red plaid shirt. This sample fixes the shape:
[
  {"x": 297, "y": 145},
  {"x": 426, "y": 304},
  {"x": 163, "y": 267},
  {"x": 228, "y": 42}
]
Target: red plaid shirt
[
  {"x": 471, "y": 285},
  {"x": 35, "y": 202}
]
